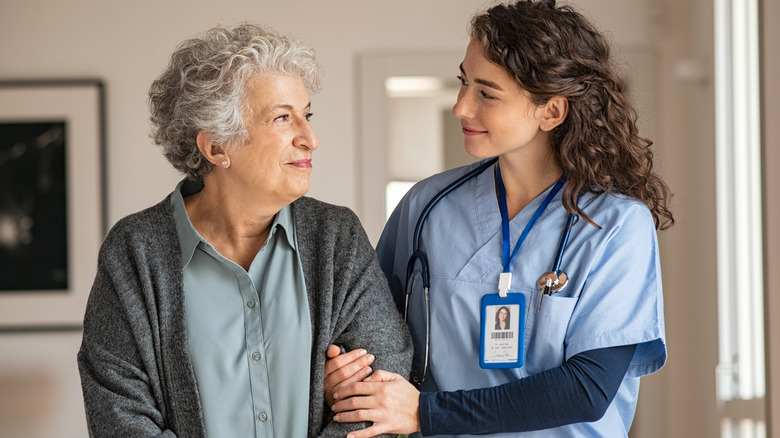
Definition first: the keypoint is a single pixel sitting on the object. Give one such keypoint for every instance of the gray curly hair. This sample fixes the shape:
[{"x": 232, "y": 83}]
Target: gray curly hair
[{"x": 204, "y": 88}]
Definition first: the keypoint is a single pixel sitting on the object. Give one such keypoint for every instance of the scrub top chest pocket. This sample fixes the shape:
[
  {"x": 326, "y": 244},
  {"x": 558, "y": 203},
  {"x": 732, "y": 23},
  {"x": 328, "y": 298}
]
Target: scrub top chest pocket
[{"x": 545, "y": 334}]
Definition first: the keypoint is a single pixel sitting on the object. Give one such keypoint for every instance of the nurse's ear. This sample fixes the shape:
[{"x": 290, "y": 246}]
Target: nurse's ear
[{"x": 553, "y": 113}]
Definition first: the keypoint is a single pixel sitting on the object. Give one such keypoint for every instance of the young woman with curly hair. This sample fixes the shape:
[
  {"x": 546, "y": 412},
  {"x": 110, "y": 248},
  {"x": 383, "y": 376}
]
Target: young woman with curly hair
[{"x": 543, "y": 107}]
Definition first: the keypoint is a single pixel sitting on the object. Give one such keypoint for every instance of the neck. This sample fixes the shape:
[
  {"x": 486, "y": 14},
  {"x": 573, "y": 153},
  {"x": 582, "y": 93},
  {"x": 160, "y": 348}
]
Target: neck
[
  {"x": 524, "y": 180},
  {"x": 235, "y": 226}
]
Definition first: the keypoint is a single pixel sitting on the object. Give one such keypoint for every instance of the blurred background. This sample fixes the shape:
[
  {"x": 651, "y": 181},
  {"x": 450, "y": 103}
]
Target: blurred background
[{"x": 702, "y": 77}]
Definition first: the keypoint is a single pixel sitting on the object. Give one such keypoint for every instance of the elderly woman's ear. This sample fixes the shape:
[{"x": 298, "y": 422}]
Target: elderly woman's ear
[{"x": 212, "y": 152}]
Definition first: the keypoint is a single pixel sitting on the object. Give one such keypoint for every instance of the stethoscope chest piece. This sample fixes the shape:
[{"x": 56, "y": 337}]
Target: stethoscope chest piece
[{"x": 557, "y": 282}]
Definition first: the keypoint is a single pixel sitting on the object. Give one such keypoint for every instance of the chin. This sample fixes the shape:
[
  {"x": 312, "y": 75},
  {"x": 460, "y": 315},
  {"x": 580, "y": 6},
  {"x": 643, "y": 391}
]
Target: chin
[
  {"x": 478, "y": 152},
  {"x": 300, "y": 191}
]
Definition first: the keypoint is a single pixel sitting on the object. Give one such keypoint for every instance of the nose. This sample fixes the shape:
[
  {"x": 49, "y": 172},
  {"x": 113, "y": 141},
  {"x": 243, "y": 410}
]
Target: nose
[
  {"x": 462, "y": 109},
  {"x": 306, "y": 138}
]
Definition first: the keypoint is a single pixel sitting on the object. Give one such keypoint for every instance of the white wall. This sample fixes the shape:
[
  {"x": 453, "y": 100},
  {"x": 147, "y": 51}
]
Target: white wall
[
  {"x": 686, "y": 145},
  {"x": 127, "y": 43},
  {"x": 40, "y": 391}
]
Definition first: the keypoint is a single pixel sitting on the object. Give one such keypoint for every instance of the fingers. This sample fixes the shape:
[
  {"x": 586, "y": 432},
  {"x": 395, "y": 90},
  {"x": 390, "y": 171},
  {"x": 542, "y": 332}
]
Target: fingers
[
  {"x": 348, "y": 363},
  {"x": 383, "y": 376},
  {"x": 377, "y": 428},
  {"x": 356, "y": 395},
  {"x": 367, "y": 386},
  {"x": 344, "y": 368},
  {"x": 333, "y": 385},
  {"x": 353, "y": 409},
  {"x": 335, "y": 380},
  {"x": 368, "y": 432},
  {"x": 391, "y": 405},
  {"x": 332, "y": 351}
]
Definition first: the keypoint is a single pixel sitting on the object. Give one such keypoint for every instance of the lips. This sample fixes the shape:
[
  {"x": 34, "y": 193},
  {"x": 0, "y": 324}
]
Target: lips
[
  {"x": 303, "y": 164},
  {"x": 470, "y": 131}
]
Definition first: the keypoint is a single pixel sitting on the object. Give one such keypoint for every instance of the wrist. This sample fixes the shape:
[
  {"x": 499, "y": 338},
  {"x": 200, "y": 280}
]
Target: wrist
[{"x": 417, "y": 413}]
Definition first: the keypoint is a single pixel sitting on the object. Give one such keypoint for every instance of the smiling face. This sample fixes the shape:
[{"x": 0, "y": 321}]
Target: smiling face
[
  {"x": 502, "y": 315},
  {"x": 276, "y": 162},
  {"x": 497, "y": 117}
]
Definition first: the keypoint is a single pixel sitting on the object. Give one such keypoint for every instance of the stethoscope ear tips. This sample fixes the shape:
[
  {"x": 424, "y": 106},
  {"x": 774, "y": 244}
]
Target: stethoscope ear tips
[{"x": 557, "y": 281}]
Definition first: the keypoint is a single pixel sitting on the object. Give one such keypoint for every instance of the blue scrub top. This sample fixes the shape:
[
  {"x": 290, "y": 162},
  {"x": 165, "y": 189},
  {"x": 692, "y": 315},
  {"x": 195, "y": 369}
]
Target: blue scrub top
[{"x": 614, "y": 296}]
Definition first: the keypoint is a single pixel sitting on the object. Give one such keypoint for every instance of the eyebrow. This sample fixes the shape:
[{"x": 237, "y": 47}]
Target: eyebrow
[
  {"x": 285, "y": 106},
  {"x": 484, "y": 82}
]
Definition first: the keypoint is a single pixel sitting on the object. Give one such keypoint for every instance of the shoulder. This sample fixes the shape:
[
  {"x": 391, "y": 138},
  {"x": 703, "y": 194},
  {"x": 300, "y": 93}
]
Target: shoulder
[
  {"x": 149, "y": 227},
  {"x": 616, "y": 210},
  {"x": 620, "y": 217},
  {"x": 330, "y": 238},
  {"x": 312, "y": 206},
  {"x": 312, "y": 213},
  {"x": 422, "y": 192},
  {"x": 435, "y": 183},
  {"x": 325, "y": 225}
]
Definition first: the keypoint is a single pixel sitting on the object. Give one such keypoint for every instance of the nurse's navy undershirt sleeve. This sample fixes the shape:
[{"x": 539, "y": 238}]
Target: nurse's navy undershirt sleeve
[{"x": 580, "y": 390}]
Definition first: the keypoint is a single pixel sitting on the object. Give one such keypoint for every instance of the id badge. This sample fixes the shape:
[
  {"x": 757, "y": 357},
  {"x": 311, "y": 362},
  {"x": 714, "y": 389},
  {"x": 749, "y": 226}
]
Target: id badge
[{"x": 503, "y": 331}]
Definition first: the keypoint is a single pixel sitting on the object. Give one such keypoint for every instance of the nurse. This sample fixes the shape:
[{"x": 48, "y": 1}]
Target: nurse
[{"x": 540, "y": 93}]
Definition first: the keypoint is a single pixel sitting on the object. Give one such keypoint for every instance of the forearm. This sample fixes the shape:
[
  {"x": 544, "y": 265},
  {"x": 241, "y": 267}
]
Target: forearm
[
  {"x": 362, "y": 316},
  {"x": 580, "y": 390},
  {"x": 373, "y": 321}
]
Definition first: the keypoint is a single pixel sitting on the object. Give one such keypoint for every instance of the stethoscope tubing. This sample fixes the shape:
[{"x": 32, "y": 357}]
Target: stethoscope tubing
[
  {"x": 562, "y": 245},
  {"x": 416, "y": 253},
  {"x": 419, "y": 255}
]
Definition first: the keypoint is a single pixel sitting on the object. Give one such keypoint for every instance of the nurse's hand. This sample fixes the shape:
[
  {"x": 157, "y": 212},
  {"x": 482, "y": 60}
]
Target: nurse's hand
[
  {"x": 386, "y": 399},
  {"x": 344, "y": 368}
]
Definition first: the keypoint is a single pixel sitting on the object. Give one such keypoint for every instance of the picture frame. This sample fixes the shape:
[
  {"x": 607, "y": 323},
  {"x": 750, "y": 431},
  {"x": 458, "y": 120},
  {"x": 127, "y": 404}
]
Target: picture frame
[{"x": 52, "y": 200}]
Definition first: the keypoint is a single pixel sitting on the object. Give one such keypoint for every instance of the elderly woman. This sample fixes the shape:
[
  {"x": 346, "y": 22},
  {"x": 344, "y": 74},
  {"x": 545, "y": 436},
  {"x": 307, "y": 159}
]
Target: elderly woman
[{"x": 211, "y": 311}]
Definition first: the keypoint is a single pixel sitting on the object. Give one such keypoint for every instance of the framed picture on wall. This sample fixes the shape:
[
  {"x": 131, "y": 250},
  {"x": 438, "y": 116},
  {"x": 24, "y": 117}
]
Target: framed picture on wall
[{"x": 52, "y": 205}]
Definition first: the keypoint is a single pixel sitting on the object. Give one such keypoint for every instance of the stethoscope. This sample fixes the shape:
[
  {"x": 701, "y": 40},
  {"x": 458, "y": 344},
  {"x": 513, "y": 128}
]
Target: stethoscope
[{"x": 550, "y": 282}]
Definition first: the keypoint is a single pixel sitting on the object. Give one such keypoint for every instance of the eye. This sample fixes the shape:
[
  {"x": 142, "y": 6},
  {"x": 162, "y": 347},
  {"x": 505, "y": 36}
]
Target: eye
[
  {"x": 462, "y": 80},
  {"x": 485, "y": 95},
  {"x": 282, "y": 118},
  {"x": 309, "y": 116}
]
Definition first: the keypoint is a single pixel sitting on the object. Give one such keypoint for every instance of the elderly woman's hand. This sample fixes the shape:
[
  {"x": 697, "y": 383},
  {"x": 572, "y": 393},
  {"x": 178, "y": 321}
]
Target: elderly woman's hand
[
  {"x": 341, "y": 369},
  {"x": 386, "y": 399}
]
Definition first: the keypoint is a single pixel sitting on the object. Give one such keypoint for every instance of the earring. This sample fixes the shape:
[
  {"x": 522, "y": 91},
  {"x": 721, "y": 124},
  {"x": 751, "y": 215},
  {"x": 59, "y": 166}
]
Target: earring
[{"x": 224, "y": 163}]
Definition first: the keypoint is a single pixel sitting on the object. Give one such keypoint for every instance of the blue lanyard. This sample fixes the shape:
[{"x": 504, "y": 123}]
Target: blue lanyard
[{"x": 506, "y": 257}]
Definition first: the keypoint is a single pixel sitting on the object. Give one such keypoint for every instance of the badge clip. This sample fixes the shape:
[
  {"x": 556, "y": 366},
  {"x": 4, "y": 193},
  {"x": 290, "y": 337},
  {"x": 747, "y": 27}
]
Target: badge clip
[{"x": 504, "y": 282}]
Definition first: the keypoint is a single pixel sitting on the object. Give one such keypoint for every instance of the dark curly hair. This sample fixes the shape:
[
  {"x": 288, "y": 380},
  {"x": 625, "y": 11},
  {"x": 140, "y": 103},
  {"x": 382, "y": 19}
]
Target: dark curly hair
[{"x": 555, "y": 51}]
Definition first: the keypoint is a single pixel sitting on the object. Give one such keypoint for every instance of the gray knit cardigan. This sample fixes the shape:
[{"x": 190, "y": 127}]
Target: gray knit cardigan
[{"x": 136, "y": 373}]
